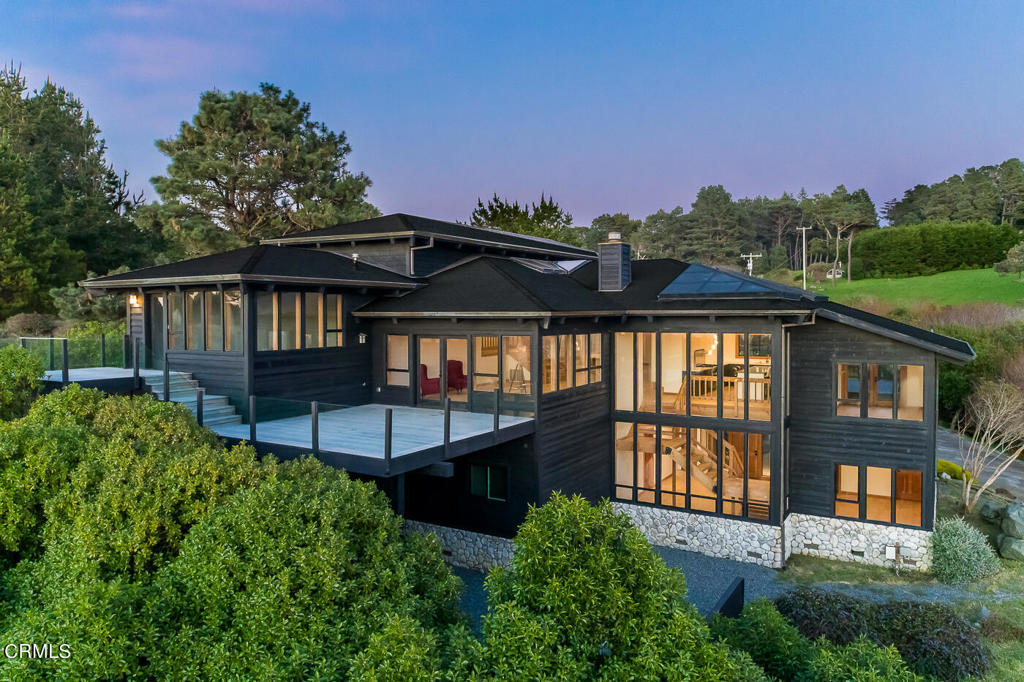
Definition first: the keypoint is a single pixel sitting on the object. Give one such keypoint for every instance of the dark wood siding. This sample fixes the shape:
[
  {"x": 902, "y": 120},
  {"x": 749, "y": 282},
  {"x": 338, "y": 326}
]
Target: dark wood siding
[
  {"x": 430, "y": 260},
  {"x": 574, "y": 440},
  {"x": 448, "y": 502},
  {"x": 819, "y": 440},
  {"x": 218, "y": 373}
]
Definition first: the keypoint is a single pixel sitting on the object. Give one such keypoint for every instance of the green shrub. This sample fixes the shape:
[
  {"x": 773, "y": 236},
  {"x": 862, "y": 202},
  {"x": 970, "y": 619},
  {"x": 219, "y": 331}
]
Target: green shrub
[
  {"x": 954, "y": 470},
  {"x": 961, "y": 553},
  {"x": 860, "y": 661},
  {"x": 586, "y": 598},
  {"x": 772, "y": 641},
  {"x": 300, "y": 574},
  {"x": 931, "y": 638},
  {"x": 931, "y": 247},
  {"x": 995, "y": 348},
  {"x": 20, "y": 375}
]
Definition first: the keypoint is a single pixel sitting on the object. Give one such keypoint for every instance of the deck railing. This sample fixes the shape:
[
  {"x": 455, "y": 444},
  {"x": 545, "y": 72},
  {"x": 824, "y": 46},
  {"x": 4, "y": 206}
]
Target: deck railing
[{"x": 64, "y": 353}]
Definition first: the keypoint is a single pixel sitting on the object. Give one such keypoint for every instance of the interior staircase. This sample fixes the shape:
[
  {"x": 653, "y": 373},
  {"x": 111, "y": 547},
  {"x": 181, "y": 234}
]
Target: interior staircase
[{"x": 217, "y": 409}]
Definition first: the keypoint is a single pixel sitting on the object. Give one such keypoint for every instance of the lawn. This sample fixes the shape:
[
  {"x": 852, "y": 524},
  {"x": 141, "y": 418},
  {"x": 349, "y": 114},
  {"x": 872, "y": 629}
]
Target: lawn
[
  {"x": 945, "y": 288},
  {"x": 1005, "y": 628}
]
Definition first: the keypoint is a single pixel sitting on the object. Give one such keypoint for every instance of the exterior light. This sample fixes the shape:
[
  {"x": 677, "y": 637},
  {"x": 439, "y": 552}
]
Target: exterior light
[
  {"x": 133, "y": 300},
  {"x": 362, "y": 337},
  {"x": 615, "y": 236}
]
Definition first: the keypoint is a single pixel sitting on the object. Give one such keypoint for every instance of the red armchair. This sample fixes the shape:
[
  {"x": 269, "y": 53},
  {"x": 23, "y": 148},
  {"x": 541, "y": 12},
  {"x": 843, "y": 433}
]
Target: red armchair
[
  {"x": 456, "y": 377},
  {"x": 428, "y": 386}
]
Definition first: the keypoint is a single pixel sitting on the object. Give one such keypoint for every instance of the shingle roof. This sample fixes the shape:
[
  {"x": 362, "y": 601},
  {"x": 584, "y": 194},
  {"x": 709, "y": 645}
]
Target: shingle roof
[
  {"x": 401, "y": 224},
  {"x": 259, "y": 263}
]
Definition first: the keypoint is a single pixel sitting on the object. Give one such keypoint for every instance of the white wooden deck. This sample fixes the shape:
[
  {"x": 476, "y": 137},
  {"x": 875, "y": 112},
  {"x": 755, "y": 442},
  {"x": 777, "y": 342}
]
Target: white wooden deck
[{"x": 360, "y": 430}]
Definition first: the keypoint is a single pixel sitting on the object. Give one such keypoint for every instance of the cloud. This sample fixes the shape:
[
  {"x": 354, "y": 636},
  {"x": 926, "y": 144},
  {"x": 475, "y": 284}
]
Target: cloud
[{"x": 169, "y": 58}]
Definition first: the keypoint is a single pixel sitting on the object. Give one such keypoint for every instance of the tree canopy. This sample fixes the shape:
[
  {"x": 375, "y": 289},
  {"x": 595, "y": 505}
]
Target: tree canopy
[
  {"x": 988, "y": 193},
  {"x": 545, "y": 219},
  {"x": 253, "y": 165}
]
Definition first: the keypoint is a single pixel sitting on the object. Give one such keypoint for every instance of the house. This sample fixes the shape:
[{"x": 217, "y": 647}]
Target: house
[{"x": 472, "y": 372}]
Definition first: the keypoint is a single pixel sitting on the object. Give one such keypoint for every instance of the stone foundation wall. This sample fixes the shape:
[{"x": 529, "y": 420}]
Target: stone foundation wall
[
  {"x": 754, "y": 543},
  {"x": 467, "y": 549},
  {"x": 849, "y": 540}
]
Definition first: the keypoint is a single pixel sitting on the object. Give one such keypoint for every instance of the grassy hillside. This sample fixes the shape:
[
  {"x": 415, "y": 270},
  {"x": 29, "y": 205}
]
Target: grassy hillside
[{"x": 946, "y": 288}]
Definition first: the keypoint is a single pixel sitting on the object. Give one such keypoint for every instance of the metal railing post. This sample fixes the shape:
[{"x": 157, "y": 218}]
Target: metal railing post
[
  {"x": 199, "y": 405},
  {"x": 314, "y": 424},
  {"x": 103, "y": 350},
  {"x": 53, "y": 366},
  {"x": 252, "y": 419},
  {"x": 135, "y": 363},
  {"x": 64, "y": 362},
  {"x": 24, "y": 341},
  {"x": 167, "y": 379},
  {"x": 447, "y": 426},
  {"x": 497, "y": 392},
  {"x": 125, "y": 351},
  {"x": 387, "y": 442}
]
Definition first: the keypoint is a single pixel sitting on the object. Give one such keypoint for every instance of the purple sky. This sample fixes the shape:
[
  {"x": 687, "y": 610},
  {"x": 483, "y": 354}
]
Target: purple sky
[{"x": 615, "y": 107}]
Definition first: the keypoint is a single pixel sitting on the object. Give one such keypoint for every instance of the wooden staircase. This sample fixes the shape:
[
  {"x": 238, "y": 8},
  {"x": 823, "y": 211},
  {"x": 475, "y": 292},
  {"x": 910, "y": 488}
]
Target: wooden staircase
[{"x": 217, "y": 409}]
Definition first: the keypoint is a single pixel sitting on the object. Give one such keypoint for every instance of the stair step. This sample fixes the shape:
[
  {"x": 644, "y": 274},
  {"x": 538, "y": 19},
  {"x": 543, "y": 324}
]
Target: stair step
[{"x": 220, "y": 421}]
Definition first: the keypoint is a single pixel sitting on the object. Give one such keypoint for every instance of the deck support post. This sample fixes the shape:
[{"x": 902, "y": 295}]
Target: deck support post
[
  {"x": 167, "y": 379},
  {"x": 135, "y": 364},
  {"x": 53, "y": 365},
  {"x": 199, "y": 405},
  {"x": 447, "y": 426},
  {"x": 24, "y": 342},
  {"x": 252, "y": 420},
  {"x": 314, "y": 422},
  {"x": 125, "y": 351},
  {"x": 400, "y": 494},
  {"x": 387, "y": 441},
  {"x": 64, "y": 362},
  {"x": 103, "y": 350}
]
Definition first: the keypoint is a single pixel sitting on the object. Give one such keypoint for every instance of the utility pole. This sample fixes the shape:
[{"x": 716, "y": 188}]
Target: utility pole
[
  {"x": 750, "y": 261},
  {"x": 803, "y": 233}
]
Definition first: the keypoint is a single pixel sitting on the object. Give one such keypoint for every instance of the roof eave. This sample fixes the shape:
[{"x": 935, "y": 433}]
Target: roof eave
[
  {"x": 236, "y": 277},
  {"x": 952, "y": 355}
]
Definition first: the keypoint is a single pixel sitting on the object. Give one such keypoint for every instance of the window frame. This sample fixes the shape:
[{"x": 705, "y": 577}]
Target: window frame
[
  {"x": 864, "y": 367},
  {"x": 408, "y": 362},
  {"x": 862, "y": 495},
  {"x": 491, "y": 472},
  {"x": 565, "y": 343}
]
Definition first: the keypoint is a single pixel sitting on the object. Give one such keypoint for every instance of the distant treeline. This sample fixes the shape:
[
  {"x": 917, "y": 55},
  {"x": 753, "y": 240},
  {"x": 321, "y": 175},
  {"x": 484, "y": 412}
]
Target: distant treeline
[{"x": 930, "y": 247}]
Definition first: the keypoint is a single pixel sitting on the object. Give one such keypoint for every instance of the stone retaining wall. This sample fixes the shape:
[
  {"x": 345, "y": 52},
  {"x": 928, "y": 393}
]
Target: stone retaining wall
[
  {"x": 755, "y": 543},
  {"x": 467, "y": 549},
  {"x": 849, "y": 540}
]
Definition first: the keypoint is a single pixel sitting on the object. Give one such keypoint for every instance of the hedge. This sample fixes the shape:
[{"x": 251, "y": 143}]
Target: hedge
[{"x": 929, "y": 248}]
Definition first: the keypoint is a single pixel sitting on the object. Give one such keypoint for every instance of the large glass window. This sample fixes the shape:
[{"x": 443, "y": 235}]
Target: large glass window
[
  {"x": 564, "y": 361},
  {"x": 911, "y": 382},
  {"x": 595, "y": 358},
  {"x": 429, "y": 367},
  {"x": 704, "y": 375},
  {"x": 673, "y": 373},
  {"x": 517, "y": 364},
  {"x": 882, "y": 391},
  {"x": 266, "y": 320},
  {"x": 333, "y": 332},
  {"x": 232, "y": 320},
  {"x": 847, "y": 491},
  {"x": 733, "y": 384},
  {"x": 485, "y": 363},
  {"x": 646, "y": 377},
  {"x": 489, "y": 481},
  {"x": 703, "y": 469},
  {"x": 194, "y": 320},
  {"x": 456, "y": 364},
  {"x": 175, "y": 321},
  {"x": 646, "y": 465},
  {"x": 759, "y": 476},
  {"x": 290, "y": 320},
  {"x": 624, "y": 483},
  {"x": 397, "y": 359},
  {"x": 848, "y": 381},
  {"x": 582, "y": 359},
  {"x": 733, "y": 455},
  {"x": 878, "y": 486},
  {"x": 673, "y": 451},
  {"x": 758, "y": 382},
  {"x": 624, "y": 371},
  {"x": 313, "y": 334},
  {"x": 214, "y": 320},
  {"x": 909, "y": 492},
  {"x": 549, "y": 361}
]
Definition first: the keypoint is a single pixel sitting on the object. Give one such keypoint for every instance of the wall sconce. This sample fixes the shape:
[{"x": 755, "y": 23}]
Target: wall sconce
[
  {"x": 133, "y": 300},
  {"x": 362, "y": 337}
]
